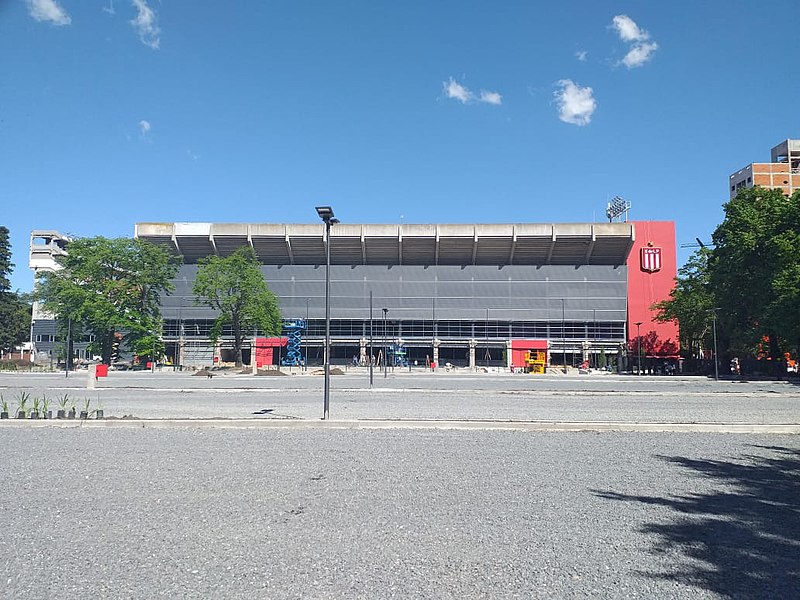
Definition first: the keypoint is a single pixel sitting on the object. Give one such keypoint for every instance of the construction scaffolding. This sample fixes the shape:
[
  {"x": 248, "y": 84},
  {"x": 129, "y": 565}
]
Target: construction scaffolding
[{"x": 294, "y": 349}]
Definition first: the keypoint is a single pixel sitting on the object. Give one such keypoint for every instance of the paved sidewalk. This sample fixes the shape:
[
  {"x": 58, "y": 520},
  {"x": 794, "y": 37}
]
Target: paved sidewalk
[{"x": 425, "y": 396}]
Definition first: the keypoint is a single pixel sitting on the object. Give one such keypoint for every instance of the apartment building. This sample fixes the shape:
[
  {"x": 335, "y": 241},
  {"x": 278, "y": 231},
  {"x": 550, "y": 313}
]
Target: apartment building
[{"x": 782, "y": 172}]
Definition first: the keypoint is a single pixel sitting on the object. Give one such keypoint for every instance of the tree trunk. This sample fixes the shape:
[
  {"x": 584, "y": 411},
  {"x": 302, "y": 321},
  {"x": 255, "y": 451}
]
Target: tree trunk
[
  {"x": 106, "y": 346},
  {"x": 70, "y": 353},
  {"x": 775, "y": 354},
  {"x": 237, "y": 342}
]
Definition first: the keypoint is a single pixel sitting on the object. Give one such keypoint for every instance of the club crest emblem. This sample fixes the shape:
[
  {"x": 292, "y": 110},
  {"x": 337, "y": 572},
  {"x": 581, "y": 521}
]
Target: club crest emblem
[{"x": 650, "y": 259}]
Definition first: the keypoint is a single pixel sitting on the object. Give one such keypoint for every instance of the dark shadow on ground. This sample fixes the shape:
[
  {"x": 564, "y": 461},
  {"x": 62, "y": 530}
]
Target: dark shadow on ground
[
  {"x": 741, "y": 540},
  {"x": 270, "y": 412}
]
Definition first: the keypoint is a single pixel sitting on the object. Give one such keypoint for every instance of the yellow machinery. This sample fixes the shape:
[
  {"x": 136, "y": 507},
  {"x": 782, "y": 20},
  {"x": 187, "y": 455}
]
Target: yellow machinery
[{"x": 535, "y": 361}]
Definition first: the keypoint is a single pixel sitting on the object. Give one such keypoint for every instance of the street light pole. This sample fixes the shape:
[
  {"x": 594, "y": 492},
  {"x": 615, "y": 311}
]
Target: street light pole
[
  {"x": 305, "y": 340},
  {"x": 592, "y": 356},
  {"x": 638, "y": 347},
  {"x": 67, "y": 353},
  {"x": 385, "y": 346},
  {"x": 177, "y": 358},
  {"x": 369, "y": 358},
  {"x": 716, "y": 359},
  {"x": 564, "y": 332},
  {"x": 326, "y": 214},
  {"x": 488, "y": 356}
]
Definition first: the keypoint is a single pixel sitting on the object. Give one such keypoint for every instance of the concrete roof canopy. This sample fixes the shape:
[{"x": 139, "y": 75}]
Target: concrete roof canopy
[{"x": 394, "y": 244}]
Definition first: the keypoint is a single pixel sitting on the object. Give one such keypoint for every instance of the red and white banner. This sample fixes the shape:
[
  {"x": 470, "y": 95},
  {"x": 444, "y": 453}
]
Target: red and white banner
[{"x": 651, "y": 259}]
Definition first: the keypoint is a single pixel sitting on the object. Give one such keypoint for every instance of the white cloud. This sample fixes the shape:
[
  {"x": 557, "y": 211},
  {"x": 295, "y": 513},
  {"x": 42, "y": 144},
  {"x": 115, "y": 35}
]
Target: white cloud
[
  {"x": 110, "y": 8},
  {"x": 639, "y": 54},
  {"x": 146, "y": 24},
  {"x": 491, "y": 98},
  {"x": 641, "y": 50},
  {"x": 48, "y": 10},
  {"x": 456, "y": 91},
  {"x": 144, "y": 128},
  {"x": 581, "y": 55},
  {"x": 576, "y": 104},
  {"x": 628, "y": 30}
]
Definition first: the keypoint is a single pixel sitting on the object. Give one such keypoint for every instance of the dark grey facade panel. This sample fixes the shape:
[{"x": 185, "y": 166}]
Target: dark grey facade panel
[{"x": 524, "y": 293}]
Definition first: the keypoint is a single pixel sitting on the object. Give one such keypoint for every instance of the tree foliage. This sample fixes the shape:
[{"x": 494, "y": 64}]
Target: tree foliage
[
  {"x": 15, "y": 320},
  {"x": 6, "y": 266},
  {"x": 234, "y": 285},
  {"x": 110, "y": 286},
  {"x": 752, "y": 277},
  {"x": 690, "y": 303},
  {"x": 755, "y": 269},
  {"x": 15, "y": 310}
]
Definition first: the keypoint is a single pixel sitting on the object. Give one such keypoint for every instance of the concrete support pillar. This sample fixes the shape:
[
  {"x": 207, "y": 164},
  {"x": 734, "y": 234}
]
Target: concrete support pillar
[
  {"x": 91, "y": 377},
  {"x": 472, "y": 344},
  {"x": 509, "y": 355},
  {"x": 436, "y": 344}
]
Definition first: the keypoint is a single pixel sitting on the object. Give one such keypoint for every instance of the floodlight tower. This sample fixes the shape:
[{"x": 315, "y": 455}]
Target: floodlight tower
[{"x": 618, "y": 207}]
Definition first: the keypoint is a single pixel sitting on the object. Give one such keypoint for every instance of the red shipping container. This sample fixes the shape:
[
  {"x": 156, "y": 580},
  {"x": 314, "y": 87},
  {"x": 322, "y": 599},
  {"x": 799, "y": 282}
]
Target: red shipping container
[{"x": 102, "y": 371}]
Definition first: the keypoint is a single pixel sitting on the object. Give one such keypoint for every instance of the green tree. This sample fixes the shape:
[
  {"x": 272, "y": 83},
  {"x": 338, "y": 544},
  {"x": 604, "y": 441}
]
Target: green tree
[
  {"x": 754, "y": 269},
  {"x": 235, "y": 286},
  {"x": 6, "y": 266},
  {"x": 602, "y": 360},
  {"x": 110, "y": 286},
  {"x": 15, "y": 320},
  {"x": 690, "y": 303},
  {"x": 15, "y": 310}
]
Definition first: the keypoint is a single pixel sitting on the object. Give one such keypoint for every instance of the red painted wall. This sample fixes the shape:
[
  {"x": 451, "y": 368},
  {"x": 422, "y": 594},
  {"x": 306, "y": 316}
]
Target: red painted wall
[{"x": 645, "y": 289}]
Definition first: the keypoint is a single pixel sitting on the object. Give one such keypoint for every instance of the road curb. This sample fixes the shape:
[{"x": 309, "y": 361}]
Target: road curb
[{"x": 543, "y": 426}]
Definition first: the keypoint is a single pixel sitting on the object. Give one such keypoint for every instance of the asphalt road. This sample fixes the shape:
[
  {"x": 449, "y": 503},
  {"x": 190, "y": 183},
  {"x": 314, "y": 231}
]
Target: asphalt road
[
  {"x": 596, "y": 398},
  {"x": 213, "y": 513}
]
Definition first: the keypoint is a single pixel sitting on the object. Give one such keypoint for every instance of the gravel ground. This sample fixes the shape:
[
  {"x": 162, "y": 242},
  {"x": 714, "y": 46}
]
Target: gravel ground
[
  {"x": 194, "y": 513},
  {"x": 424, "y": 396}
]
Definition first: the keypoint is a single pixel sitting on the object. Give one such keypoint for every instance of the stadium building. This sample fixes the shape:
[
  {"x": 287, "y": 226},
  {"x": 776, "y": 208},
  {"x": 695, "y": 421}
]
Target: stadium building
[{"x": 469, "y": 295}]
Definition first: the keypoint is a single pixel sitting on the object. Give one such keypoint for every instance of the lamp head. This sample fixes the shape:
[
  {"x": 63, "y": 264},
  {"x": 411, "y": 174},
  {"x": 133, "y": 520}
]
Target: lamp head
[{"x": 326, "y": 214}]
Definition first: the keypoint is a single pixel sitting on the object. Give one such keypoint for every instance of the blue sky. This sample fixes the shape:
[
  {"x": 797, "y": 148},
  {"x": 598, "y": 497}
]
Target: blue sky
[{"x": 115, "y": 112}]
